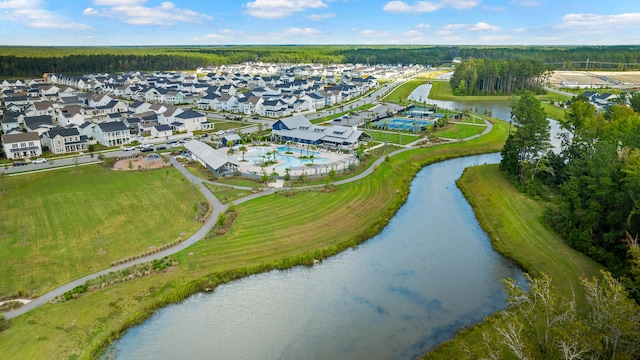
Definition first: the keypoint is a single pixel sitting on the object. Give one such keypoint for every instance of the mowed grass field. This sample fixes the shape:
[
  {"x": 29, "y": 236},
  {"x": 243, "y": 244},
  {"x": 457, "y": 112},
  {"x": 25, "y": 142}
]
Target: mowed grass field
[
  {"x": 512, "y": 221},
  {"x": 63, "y": 224},
  {"x": 459, "y": 131},
  {"x": 268, "y": 231},
  {"x": 392, "y": 137}
]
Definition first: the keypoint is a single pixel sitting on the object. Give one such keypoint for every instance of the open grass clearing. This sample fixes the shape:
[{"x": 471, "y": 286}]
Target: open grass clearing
[
  {"x": 512, "y": 221},
  {"x": 64, "y": 224},
  {"x": 240, "y": 182},
  {"x": 227, "y": 125},
  {"x": 227, "y": 194},
  {"x": 459, "y": 131},
  {"x": 342, "y": 113},
  {"x": 393, "y": 137},
  {"x": 402, "y": 92},
  {"x": 267, "y": 231},
  {"x": 554, "y": 112}
]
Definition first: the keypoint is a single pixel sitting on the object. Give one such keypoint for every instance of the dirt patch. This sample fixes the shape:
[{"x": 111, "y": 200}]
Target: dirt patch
[
  {"x": 147, "y": 162},
  {"x": 613, "y": 79}
]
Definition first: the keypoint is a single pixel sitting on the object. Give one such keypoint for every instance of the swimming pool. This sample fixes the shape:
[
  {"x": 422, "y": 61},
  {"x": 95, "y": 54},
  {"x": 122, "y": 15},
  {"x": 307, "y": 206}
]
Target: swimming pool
[{"x": 256, "y": 155}]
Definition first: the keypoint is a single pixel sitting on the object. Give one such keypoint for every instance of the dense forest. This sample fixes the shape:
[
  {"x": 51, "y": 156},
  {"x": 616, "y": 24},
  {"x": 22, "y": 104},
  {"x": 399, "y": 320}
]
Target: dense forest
[
  {"x": 594, "y": 181},
  {"x": 34, "y": 61},
  {"x": 499, "y": 77}
]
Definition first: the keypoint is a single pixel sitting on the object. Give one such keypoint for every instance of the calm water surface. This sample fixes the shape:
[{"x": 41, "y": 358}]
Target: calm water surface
[{"x": 430, "y": 272}]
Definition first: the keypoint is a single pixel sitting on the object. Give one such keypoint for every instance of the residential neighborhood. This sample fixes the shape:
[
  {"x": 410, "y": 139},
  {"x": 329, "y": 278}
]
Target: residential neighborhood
[{"x": 62, "y": 113}]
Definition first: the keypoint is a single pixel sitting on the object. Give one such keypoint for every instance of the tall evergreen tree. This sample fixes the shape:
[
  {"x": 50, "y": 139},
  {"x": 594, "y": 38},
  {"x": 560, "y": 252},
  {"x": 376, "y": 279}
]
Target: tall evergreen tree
[{"x": 530, "y": 141}]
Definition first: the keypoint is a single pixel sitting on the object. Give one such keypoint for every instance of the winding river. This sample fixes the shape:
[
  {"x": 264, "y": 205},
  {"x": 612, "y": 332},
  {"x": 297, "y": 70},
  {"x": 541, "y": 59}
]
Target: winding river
[{"x": 430, "y": 272}]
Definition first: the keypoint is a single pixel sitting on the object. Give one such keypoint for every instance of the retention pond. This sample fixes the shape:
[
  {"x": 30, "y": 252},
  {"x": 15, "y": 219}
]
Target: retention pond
[{"x": 430, "y": 272}]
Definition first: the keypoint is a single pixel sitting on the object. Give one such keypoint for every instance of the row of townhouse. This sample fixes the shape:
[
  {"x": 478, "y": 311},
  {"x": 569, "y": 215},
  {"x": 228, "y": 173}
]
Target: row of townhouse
[
  {"x": 303, "y": 70},
  {"x": 180, "y": 88},
  {"x": 61, "y": 123}
]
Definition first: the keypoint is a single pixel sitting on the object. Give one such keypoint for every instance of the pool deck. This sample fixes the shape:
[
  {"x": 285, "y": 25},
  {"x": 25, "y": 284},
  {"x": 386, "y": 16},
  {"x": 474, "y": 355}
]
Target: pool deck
[{"x": 247, "y": 167}]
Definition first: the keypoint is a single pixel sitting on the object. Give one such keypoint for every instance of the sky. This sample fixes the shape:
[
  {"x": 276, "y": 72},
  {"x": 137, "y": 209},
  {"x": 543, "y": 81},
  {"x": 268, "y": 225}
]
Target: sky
[{"x": 375, "y": 22}]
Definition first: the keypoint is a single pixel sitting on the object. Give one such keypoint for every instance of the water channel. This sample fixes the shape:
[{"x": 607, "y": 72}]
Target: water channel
[{"x": 431, "y": 271}]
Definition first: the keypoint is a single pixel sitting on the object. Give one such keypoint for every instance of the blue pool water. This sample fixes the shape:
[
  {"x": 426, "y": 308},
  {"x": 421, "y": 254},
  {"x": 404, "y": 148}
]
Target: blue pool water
[{"x": 257, "y": 154}]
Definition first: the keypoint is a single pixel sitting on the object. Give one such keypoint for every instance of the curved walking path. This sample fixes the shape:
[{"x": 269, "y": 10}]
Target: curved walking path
[{"x": 217, "y": 208}]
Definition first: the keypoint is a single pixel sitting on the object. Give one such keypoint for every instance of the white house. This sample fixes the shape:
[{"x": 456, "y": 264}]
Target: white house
[
  {"x": 191, "y": 119},
  {"x": 161, "y": 131},
  {"x": 61, "y": 141},
  {"x": 20, "y": 146},
  {"x": 114, "y": 133}
]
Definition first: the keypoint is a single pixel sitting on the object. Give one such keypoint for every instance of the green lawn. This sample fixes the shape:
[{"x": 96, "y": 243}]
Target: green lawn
[
  {"x": 226, "y": 125},
  {"x": 273, "y": 231},
  {"x": 512, "y": 222},
  {"x": 459, "y": 131},
  {"x": 402, "y": 92},
  {"x": 60, "y": 225},
  {"x": 554, "y": 112},
  {"x": 402, "y": 138},
  {"x": 240, "y": 182},
  {"x": 227, "y": 194}
]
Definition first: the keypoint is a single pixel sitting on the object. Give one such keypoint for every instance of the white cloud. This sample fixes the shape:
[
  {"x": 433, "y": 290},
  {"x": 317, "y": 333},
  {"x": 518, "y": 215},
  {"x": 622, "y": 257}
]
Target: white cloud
[
  {"x": 478, "y": 27},
  {"x": 320, "y": 17},
  {"x": 224, "y": 36},
  {"x": 482, "y": 26},
  {"x": 462, "y": 4},
  {"x": 403, "y": 7},
  {"x": 423, "y": 26},
  {"x": 595, "y": 21},
  {"x": 273, "y": 9},
  {"x": 133, "y": 12},
  {"x": 306, "y": 32},
  {"x": 428, "y": 6},
  {"x": 368, "y": 33},
  {"x": 31, "y": 13}
]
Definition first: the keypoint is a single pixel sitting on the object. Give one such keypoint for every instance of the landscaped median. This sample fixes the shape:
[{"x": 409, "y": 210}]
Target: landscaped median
[{"x": 274, "y": 231}]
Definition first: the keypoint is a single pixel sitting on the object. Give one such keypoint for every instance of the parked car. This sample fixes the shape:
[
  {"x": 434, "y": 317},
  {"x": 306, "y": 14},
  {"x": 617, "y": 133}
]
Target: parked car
[
  {"x": 39, "y": 161},
  {"x": 19, "y": 163},
  {"x": 161, "y": 147},
  {"x": 146, "y": 149},
  {"x": 128, "y": 148}
]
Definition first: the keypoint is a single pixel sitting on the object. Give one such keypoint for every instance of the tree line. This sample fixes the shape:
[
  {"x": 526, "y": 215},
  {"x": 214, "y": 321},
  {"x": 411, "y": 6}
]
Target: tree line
[
  {"x": 499, "y": 77},
  {"x": 592, "y": 182},
  {"x": 16, "y": 61}
]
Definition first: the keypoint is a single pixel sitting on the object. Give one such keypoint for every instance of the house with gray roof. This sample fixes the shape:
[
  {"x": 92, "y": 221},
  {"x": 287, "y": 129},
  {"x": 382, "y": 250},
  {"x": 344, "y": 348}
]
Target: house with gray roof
[
  {"x": 209, "y": 158},
  {"x": 114, "y": 133},
  {"x": 21, "y": 146},
  {"x": 38, "y": 124},
  {"x": 61, "y": 140},
  {"x": 298, "y": 129}
]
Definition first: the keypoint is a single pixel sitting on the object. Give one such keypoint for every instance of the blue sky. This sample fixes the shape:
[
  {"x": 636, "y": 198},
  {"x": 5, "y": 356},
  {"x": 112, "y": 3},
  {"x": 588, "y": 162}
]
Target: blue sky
[{"x": 231, "y": 22}]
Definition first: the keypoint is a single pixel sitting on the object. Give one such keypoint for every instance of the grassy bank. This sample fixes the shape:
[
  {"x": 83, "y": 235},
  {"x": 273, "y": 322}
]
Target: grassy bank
[
  {"x": 391, "y": 137},
  {"x": 441, "y": 90},
  {"x": 64, "y": 224},
  {"x": 275, "y": 231},
  {"x": 511, "y": 221},
  {"x": 459, "y": 131}
]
